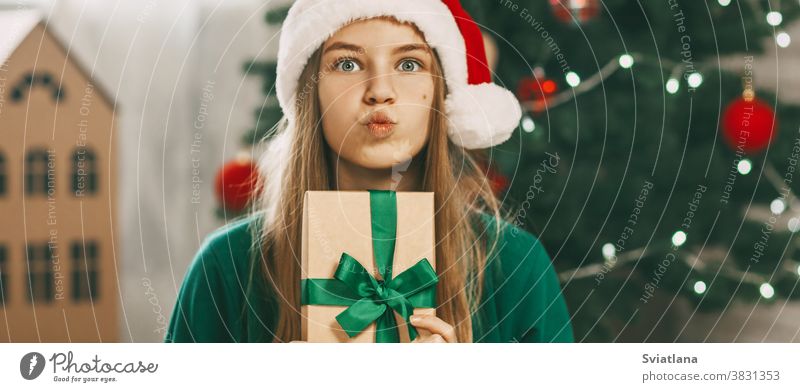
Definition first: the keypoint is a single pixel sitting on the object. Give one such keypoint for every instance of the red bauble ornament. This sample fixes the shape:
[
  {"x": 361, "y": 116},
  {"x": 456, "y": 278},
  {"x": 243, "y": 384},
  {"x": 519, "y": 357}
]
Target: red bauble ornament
[
  {"x": 533, "y": 92},
  {"x": 235, "y": 183},
  {"x": 579, "y": 11},
  {"x": 749, "y": 125},
  {"x": 531, "y": 89},
  {"x": 497, "y": 181}
]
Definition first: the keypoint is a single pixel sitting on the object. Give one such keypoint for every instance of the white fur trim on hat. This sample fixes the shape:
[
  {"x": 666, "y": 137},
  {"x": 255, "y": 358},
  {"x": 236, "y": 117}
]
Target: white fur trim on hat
[{"x": 310, "y": 23}]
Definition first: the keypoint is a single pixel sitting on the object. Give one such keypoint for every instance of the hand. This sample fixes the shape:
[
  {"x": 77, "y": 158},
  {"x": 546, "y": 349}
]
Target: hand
[{"x": 437, "y": 330}]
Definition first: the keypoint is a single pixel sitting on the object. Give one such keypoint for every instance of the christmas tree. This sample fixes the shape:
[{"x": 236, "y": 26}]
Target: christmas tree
[
  {"x": 672, "y": 178},
  {"x": 645, "y": 167}
]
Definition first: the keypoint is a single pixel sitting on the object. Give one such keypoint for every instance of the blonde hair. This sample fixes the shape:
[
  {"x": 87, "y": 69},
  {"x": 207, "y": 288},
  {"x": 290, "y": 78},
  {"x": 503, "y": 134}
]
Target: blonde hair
[{"x": 295, "y": 161}]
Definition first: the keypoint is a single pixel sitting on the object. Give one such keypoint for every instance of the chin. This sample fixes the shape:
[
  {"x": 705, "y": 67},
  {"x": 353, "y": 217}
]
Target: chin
[
  {"x": 383, "y": 157},
  {"x": 375, "y": 162}
]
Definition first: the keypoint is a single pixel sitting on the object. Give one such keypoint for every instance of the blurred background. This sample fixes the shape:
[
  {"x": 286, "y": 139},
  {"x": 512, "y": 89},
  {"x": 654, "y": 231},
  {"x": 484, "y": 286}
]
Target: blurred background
[{"x": 654, "y": 160}]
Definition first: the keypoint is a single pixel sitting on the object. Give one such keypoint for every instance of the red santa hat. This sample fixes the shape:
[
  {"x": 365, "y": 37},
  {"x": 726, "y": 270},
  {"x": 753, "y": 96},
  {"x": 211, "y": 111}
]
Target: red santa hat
[{"x": 480, "y": 113}]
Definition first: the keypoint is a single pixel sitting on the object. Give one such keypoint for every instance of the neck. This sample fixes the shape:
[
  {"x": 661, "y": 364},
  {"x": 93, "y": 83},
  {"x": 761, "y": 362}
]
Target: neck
[{"x": 401, "y": 177}]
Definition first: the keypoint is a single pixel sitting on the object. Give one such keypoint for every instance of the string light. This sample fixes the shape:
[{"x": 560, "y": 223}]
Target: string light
[
  {"x": 774, "y": 18},
  {"x": 724, "y": 3},
  {"x": 672, "y": 85},
  {"x": 609, "y": 251},
  {"x": 794, "y": 225},
  {"x": 573, "y": 79},
  {"x": 744, "y": 166},
  {"x": 766, "y": 290},
  {"x": 679, "y": 238},
  {"x": 777, "y": 206},
  {"x": 783, "y": 39},
  {"x": 626, "y": 61},
  {"x": 580, "y": 86},
  {"x": 527, "y": 124},
  {"x": 700, "y": 287},
  {"x": 694, "y": 80}
]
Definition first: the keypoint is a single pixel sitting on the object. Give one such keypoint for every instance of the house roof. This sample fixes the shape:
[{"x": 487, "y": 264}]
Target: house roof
[{"x": 15, "y": 25}]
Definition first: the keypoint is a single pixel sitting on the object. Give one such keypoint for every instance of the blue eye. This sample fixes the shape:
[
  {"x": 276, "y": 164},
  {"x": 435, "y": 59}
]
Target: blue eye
[
  {"x": 410, "y": 66},
  {"x": 346, "y": 65}
]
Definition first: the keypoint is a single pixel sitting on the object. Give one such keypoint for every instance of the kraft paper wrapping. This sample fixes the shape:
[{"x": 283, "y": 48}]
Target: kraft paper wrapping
[{"x": 339, "y": 221}]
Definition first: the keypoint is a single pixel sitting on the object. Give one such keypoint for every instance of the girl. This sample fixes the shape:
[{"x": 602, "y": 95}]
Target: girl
[{"x": 380, "y": 94}]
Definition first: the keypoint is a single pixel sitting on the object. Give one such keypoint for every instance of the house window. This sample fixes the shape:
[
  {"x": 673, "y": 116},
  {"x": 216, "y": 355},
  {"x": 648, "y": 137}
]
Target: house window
[
  {"x": 84, "y": 172},
  {"x": 3, "y": 275},
  {"x": 84, "y": 270},
  {"x": 3, "y": 175},
  {"x": 36, "y": 172},
  {"x": 31, "y": 80},
  {"x": 40, "y": 272}
]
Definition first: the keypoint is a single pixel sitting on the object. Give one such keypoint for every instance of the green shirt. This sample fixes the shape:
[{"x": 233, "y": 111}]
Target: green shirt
[{"x": 521, "y": 299}]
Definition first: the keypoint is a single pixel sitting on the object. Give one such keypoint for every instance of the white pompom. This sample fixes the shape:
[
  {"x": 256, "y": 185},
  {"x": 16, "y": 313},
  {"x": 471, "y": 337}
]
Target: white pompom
[{"x": 481, "y": 115}]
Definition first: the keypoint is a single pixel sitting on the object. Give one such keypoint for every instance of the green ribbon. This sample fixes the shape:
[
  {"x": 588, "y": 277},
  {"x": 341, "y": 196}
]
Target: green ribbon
[{"x": 370, "y": 300}]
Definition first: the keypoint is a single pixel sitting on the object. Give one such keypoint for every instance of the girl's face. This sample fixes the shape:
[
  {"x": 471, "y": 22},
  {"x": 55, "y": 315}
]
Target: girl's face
[{"x": 375, "y": 92}]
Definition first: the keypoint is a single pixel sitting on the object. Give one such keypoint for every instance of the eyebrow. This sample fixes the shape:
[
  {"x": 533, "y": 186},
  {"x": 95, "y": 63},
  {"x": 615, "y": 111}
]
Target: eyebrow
[
  {"x": 411, "y": 48},
  {"x": 343, "y": 46},
  {"x": 355, "y": 48}
]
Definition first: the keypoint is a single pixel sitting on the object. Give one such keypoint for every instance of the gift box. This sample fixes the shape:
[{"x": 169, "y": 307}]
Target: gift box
[{"x": 368, "y": 263}]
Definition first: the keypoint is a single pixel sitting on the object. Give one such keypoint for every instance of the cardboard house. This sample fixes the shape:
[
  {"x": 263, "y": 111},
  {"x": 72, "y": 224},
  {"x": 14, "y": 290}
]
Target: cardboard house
[{"x": 58, "y": 275}]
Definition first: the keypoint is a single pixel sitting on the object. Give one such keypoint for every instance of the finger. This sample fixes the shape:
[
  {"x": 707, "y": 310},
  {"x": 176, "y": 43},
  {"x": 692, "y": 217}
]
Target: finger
[
  {"x": 436, "y": 326},
  {"x": 298, "y": 341},
  {"x": 434, "y": 338}
]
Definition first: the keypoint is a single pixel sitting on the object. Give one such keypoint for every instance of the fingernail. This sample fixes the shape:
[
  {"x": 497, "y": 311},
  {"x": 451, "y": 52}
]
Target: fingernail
[{"x": 414, "y": 318}]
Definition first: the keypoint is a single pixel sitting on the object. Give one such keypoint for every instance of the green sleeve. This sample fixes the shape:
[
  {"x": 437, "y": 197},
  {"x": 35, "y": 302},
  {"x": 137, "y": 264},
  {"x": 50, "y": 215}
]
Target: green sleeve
[
  {"x": 200, "y": 310},
  {"x": 533, "y": 289}
]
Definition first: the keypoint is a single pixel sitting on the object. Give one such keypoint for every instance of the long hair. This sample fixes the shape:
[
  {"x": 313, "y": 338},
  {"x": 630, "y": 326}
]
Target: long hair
[{"x": 295, "y": 161}]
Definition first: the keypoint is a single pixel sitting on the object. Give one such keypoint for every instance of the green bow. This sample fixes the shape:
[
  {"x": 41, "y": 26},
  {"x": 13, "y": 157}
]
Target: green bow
[{"x": 370, "y": 300}]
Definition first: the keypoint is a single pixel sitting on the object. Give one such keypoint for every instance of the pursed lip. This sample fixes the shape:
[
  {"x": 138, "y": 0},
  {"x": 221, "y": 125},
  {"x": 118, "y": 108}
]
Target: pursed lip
[
  {"x": 379, "y": 118},
  {"x": 380, "y": 125}
]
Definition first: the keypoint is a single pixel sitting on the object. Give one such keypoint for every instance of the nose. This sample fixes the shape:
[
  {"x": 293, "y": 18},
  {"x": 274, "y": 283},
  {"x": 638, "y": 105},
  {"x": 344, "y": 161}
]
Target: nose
[{"x": 380, "y": 90}]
